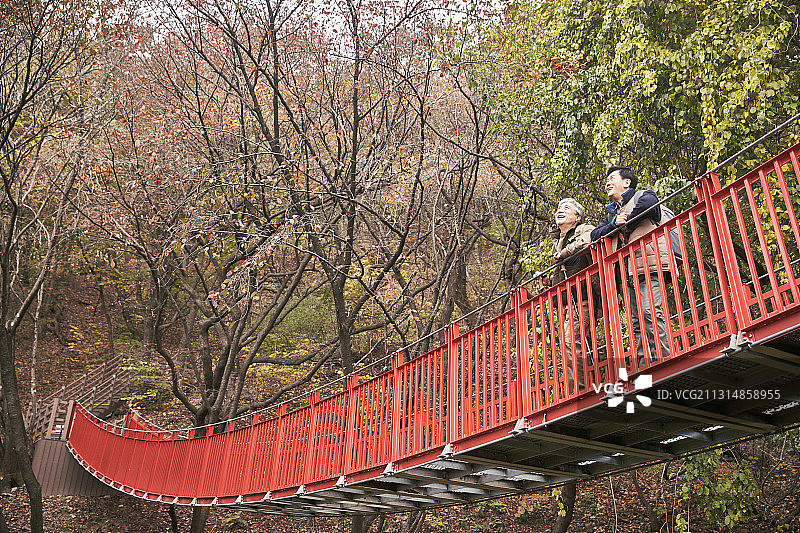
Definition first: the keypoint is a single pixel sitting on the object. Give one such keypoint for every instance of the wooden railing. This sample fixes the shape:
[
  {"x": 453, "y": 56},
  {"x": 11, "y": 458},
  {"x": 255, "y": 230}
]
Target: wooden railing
[{"x": 95, "y": 390}]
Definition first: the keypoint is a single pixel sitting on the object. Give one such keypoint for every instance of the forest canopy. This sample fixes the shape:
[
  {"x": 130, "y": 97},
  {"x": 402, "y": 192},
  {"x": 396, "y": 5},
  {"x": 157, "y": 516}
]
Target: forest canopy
[{"x": 669, "y": 88}]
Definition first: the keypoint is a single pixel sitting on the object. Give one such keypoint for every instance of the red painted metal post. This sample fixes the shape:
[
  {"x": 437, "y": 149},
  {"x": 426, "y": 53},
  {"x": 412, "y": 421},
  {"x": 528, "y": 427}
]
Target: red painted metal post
[
  {"x": 451, "y": 333},
  {"x": 181, "y": 489},
  {"x": 397, "y": 361},
  {"x": 313, "y": 443},
  {"x": 251, "y": 455},
  {"x": 166, "y": 480},
  {"x": 274, "y": 478},
  {"x": 519, "y": 297},
  {"x": 206, "y": 443},
  {"x": 727, "y": 266},
  {"x": 132, "y": 466},
  {"x": 350, "y": 428},
  {"x": 225, "y": 472},
  {"x": 153, "y": 475},
  {"x": 417, "y": 379},
  {"x": 721, "y": 243},
  {"x": 762, "y": 241},
  {"x": 780, "y": 241},
  {"x": 608, "y": 297}
]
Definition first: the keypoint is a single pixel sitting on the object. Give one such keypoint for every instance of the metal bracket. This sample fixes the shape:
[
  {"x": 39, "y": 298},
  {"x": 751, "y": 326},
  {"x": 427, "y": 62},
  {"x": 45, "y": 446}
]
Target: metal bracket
[
  {"x": 520, "y": 427},
  {"x": 448, "y": 451},
  {"x": 739, "y": 342}
]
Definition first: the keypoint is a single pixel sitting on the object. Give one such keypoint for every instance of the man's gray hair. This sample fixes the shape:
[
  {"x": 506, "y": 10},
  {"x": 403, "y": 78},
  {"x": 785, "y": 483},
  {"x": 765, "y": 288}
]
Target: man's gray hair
[{"x": 575, "y": 205}]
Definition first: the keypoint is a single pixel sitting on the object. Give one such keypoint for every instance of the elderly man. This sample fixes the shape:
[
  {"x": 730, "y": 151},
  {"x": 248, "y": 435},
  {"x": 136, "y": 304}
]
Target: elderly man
[
  {"x": 570, "y": 244},
  {"x": 642, "y": 278}
]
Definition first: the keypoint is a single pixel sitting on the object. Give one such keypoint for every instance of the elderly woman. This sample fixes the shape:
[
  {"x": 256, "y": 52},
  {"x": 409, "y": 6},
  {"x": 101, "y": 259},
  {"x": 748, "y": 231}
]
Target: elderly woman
[
  {"x": 572, "y": 238},
  {"x": 570, "y": 249}
]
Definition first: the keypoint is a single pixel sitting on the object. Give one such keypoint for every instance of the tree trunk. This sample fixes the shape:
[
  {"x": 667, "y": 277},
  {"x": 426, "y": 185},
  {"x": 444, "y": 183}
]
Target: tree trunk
[
  {"x": 458, "y": 287},
  {"x": 109, "y": 320},
  {"x": 173, "y": 517},
  {"x": 199, "y": 519},
  {"x": 34, "y": 347},
  {"x": 3, "y": 525},
  {"x": 101, "y": 296},
  {"x": 654, "y": 524},
  {"x": 357, "y": 525},
  {"x": 414, "y": 523},
  {"x": 9, "y": 471},
  {"x": 568, "y": 492},
  {"x": 343, "y": 325},
  {"x": 15, "y": 429}
]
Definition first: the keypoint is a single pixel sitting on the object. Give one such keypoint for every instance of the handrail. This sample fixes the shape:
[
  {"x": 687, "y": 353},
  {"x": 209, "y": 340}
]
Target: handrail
[
  {"x": 93, "y": 388},
  {"x": 80, "y": 383},
  {"x": 692, "y": 182}
]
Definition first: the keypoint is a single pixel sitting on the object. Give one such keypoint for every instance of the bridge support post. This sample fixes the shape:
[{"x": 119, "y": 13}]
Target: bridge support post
[
  {"x": 274, "y": 478},
  {"x": 228, "y": 475},
  {"x": 608, "y": 295},
  {"x": 451, "y": 334},
  {"x": 248, "y": 474},
  {"x": 523, "y": 393},
  {"x": 312, "y": 450},
  {"x": 202, "y": 480},
  {"x": 397, "y": 387},
  {"x": 727, "y": 269},
  {"x": 168, "y": 478},
  {"x": 350, "y": 429}
]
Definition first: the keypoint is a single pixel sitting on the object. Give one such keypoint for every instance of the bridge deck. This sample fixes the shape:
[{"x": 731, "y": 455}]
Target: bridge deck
[{"x": 589, "y": 441}]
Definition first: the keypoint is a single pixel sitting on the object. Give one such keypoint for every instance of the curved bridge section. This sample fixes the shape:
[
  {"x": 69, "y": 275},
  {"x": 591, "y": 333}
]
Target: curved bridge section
[{"x": 522, "y": 401}]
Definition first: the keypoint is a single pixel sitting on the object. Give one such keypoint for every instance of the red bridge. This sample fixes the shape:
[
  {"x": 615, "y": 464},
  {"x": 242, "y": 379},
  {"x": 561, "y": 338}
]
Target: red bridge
[{"x": 491, "y": 411}]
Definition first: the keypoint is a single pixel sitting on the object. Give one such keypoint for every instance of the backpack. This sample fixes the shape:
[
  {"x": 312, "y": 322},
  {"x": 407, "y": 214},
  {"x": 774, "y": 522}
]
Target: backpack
[{"x": 674, "y": 238}]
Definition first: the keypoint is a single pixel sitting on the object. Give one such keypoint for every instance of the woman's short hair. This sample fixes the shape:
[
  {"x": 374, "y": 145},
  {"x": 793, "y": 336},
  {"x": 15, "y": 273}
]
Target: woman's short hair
[{"x": 574, "y": 204}]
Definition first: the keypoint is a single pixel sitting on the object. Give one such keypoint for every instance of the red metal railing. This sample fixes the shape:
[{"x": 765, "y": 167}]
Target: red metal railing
[
  {"x": 563, "y": 337},
  {"x": 133, "y": 420},
  {"x": 330, "y": 433},
  {"x": 484, "y": 363},
  {"x": 757, "y": 218},
  {"x": 693, "y": 293},
  {"x": 740, "y": 271}
]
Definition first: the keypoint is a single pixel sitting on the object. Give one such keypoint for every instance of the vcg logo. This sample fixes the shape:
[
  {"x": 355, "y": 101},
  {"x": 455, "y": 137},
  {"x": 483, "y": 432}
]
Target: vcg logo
[{"x": 616, "y": 391}]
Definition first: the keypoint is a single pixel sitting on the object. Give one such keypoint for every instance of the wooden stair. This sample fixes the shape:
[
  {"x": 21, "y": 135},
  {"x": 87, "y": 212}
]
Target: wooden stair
[{"x": 101, "y": 391}]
